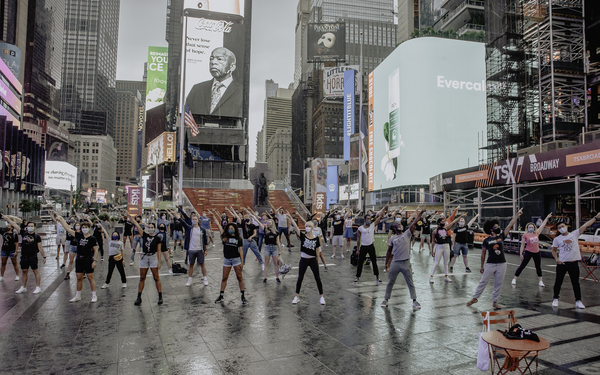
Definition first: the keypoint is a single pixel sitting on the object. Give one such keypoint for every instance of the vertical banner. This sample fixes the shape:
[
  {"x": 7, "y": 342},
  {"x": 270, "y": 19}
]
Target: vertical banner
[
  {"x": 319, "y": 172},
  {"x": 7, "y": 154},
  {"x": 349, "y": 98},
  {"x": 371, "y": 130},
  {"x": 2, "y": 148},
  {"x": 13, "y": 156},
  {"x": 332, "y": 184},
  {"x": 29, "y": 164},
  {"x": 134, "y": 200},
  {"x": 19, "y": 160},
  {"x": 156, "y": 81}
]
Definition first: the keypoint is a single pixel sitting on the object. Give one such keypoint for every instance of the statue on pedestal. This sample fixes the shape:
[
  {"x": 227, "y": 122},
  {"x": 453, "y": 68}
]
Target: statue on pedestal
[{"x": 260, "y": 176}]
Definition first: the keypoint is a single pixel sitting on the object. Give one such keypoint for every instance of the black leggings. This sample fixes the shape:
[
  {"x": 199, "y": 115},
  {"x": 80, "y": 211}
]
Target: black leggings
[
  {"x": 561, "y": 270},
  {"x": 537, "y": 259},
  {"x": 111, "y": 267},
  {"x": 314, "y": 266},
  {"x": 364, "y": 250}
]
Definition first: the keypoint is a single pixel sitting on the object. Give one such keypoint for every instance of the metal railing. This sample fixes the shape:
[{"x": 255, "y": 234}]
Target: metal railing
[
  {"x": 448, "y": 16},
  {"x": 470, "y": 27}
]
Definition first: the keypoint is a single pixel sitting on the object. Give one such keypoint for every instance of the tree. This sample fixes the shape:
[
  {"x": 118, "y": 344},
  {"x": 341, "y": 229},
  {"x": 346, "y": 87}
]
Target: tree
[{"x": 26, "y": 206}]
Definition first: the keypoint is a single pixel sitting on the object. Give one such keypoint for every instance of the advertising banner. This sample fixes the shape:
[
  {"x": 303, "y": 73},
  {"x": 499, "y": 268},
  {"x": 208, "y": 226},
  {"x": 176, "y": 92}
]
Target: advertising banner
[
  {"x": 319, "y": 185},
  {"x": 326, "y": 41},
  {"x": 332, "y": 184},
  {"x": 134, "y": 200},
  {"x": 162, "y": 149},
  {"x": 451, "y": 75},
  {"x": 349, "y": 99},
  {"x": 101, "y": 196},
  {"x": 61, "y": 175},
  {"x": 9, "y": 98},
  {"x": 11, "y": 55},
  {"x": 333, "y": 80},
  {"x": 577, "y": 160},
  {"x": 57, "y": 141},
  {"x": 214, "y": 71},
  {"x": 156, "y": 81},
  {"x": 220, "y": 6},
  {"x": 343, "y": 191}
]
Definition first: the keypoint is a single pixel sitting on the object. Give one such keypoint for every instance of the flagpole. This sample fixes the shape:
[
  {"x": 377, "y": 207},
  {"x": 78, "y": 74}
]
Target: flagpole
[
  {"x": 182, "y": 112},
  {"x": 360, "y": 185}
]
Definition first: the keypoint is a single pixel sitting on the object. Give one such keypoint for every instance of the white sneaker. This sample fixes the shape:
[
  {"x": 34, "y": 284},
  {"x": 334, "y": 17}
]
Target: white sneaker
[
  {"x": 37, "y": 290},
  {"x": 104, "y": 286},
  {"x": 296, "y": 300},
  {"x": 384, "y": 303},
  {"x": 513, "y": 282},
  {"x": 189, "y": 282},
  {"x": 447, "y": 279},
  {"x": 1, "y": 278},
  {"x": 431, "y": 279},
  {"x": 343, "y": 257},
  {"x": 170, "y": 272},
  {"x": 322, "y": 300},
  {"x": 555, "y": 302},
  {"x": 205, "y": 281},
  {"x": 124, "y": 285},
  {"x": 262, "y": 266},
  {"x": 333, "y": 256},
  {"x": 17, "y": 278},
  {"x": 579, "y": 305},
  {"x": 377, "y": 282},
  {"x": 94, "y": 298},
  {"x": 130, "y": 264},
  {"x": 541, "y": 283},
  {"x": 21, "y": 290},
  {"x": 416, "y": 305},
  {"x": 75, "y": 299}
]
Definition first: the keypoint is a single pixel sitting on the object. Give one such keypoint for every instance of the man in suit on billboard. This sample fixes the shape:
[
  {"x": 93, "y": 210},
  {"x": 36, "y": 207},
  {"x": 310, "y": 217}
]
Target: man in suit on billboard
[{"x": 220, "y": 96}]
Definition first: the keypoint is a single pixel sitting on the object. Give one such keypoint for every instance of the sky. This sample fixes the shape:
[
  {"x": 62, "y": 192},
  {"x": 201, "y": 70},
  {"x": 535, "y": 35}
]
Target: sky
[{"x": 142, "y": 24}]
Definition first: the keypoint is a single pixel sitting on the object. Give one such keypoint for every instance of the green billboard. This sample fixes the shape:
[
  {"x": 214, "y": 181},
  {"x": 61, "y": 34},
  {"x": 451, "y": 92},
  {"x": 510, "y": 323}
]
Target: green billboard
[{"x": 156, "y": 81}]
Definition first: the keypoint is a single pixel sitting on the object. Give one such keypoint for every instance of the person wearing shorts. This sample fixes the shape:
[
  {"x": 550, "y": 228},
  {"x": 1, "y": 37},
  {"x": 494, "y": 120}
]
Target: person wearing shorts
[
  {"x": 337, "y": 234},
  {"x": 272, "y": 249},
  {"x": 164, "y": 238},
  {"x": 151, "y": 245},
  {"x": 31, "y": 244},
  {"x": 137, "y": 237},
  {"x": 283, "y": 225},
  {"x": 460, "y": 243},
  {"x": 10, "y": 243},
  {"x": 348, "y": 231},
  {"x": 72, "y": 240},
  {"x": 61, "y": 241},
  {"x": 197, "y": 249},
  {"x": 233, "y": 254},
  {"x": 177, "y": 228},
  {"x": 425, "y": 232},
  {"x": 127, "y": 231}
]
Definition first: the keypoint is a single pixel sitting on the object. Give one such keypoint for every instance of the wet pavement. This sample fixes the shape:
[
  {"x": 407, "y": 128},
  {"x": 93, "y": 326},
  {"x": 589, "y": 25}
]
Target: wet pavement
[{"x": 351, "y": 334}]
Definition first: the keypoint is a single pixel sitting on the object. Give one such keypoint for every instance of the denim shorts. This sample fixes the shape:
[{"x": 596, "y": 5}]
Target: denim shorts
[
  {"x": 5, "y": 254},
  {"x": 196, "y": 256},
  {"x": 348, "y": 232},
  {"x": 137, "y": 240},
  {"x": 284, "y": 231},
  {"x": 148, "y": 260},
  {"x": 458, "y": 247},
  {"x": 271, "y": 251},
  {"x": 177, "y": 235},
  {"x": 73, "y": 249},
  {"x": 232, "y": 262}
]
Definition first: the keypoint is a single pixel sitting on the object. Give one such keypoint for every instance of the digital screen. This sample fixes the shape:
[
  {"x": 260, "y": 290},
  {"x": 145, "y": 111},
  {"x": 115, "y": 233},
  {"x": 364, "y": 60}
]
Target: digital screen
[{"x": 61, "y": 175}]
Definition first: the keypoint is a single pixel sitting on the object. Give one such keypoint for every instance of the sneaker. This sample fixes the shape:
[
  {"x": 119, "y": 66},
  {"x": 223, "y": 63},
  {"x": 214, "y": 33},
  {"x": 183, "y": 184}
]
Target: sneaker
[
  {"x": 513, "y": 282},
  {"x": 185, "y": 262},
  {"x": 356, "y": 281},
  {"x": 37, "y": 290},
  {"x": 21, "y": 290},
  {"x": 384, "y": 303},
  {"x": 1, "y": 278},
  {"x": 451, "y": 269},
  {"x": 67, "y": 276},
  {"x": 555, "y": 302},
  {"x": 264, "y": 281},
  {"x": 205, "y": 280},
  {"x": 262, "y": 266},
  {"x": 322, "y": 300},
  {"x": 496, "y": 306},
  {"x": 447, "y": 279},
  {"x": 102, "y": 259},
  {"x": 94, "y": 298},
  {"x": 75, "y": 299},
  {"x": 416, "y": 305},
  {"x": 296, "y": 300},
  {"x": 138, "y": 301},
  {"x": 377, "y": 281},
  {"x": 17, "y": 278},
  {"x": 189, "y": 282},
  {"x": 160, "y": 301},
  {"x": 278, "y": 281},
  {"x": 104, "y": 286},
  {"x": 124, "y": 285},
  {"x": 333, "y": 256},
  {"x": 343, "y": 257},
  {"x": 467, "y": 270},
  {"x": 244, "y": 301},
  {"x": 130, "y": 264},
  {"x": 541, "y": 283},
  {"x": 170, "y": 271},
  {"x": 472, "y": 301},
  {"x": 325, "y": 269},
  {"x": 62, "y": 266},
  {"x": 219, "y": 299},
  {"x": 289, "y": 249},
  {"x": 431, "y": 279},
  {"x": 579, "y": 305}
]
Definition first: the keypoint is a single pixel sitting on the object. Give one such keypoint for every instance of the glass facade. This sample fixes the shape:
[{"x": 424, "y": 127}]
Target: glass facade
[{"x": 90, "y": 60}]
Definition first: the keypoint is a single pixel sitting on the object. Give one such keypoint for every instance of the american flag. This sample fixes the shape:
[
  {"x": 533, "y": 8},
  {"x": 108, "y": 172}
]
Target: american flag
[{"x": 189, "y": 120}]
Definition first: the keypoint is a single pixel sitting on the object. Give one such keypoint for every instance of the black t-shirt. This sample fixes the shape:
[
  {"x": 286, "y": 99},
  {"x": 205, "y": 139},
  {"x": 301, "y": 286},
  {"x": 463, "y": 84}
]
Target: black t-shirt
[
  {"x": 224, "y": 221},
  {"x": 426, "y": 226},
  {"x": 248, "y": 228},
  {"x": 135, "y": 231},
  {"x": 163, "y": 239},
  {"x": 495, "y": 248},
  {"x": 419, "y": 225},
  {"x": 309, "y": 246},
  {"x": 29, "y": 244},
  {"x": 85, "y": 246},
  {"x": 150, "y": 243},
  {"x": 442, "y": 235},
  {"x": 8, "y": 240},
  {"x": 271, "y": 237},
  {"x": 98, "y": 234},
  {"x": 177, "y": 225},
  {"x": 461, "y": 234},
  {"x": 71, "y": 239},
  {"x": 128, "y": 229},
  {"x": 338, "y": 227},
  {"x": 231, "y": 248}
]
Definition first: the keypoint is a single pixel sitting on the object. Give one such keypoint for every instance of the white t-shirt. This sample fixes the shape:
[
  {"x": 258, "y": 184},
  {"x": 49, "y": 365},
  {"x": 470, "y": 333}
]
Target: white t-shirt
[
  {"x": 367, "y": 235},
  {"x": 60, "y": 230},
  {"x": 115, "y": 247},
  {"x": 568, "y": 247},
  {"x": 196, "y": 240}
]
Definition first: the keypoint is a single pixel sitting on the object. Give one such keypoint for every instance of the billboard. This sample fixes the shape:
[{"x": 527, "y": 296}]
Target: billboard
[
  {"x": 221, "y": 6},
  {"x": 61, "y": 175},
  {"x": 11, "y": 55},
  {"x": 427, "y": 104},
  {"x": 332, "y": 184},
  {"x": 349, "y": 99},
  {"x": 101, "y": 196},
  {"x": 156, "y": 81},
  {"x": 214, "y": 66},
  {"x": 326, "y": 41},
  {"x": 134, "y": 200},
  {"x": 162, "y": 149},
  {"x": 333, "y": 80},
  {"x": 319, "y": 185},
  {"x": 11, "y": 90},
  {"x": 343, "y": 192},
  {"x": 57, "y": 141}
]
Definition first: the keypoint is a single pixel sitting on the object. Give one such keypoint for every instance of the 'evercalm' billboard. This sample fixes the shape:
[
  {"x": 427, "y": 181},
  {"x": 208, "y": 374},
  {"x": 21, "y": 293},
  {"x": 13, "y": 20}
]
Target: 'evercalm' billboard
[{"x": 156, "y": 81}]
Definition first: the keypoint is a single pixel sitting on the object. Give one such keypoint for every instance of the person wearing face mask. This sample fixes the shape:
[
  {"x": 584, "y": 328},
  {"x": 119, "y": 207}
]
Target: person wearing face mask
[
  {"x": 233, "y": 255},
  {"x": 31, "y": 244},
  {"x": 196, "y": 240},
  {"x": 137, "y": 236},
  {"x": 151, "y": 246},
  {"x": 205, "y": 224},
  {"x": 365, "y": 240},
  {"x": 162, "y": 220},
  {"x": 73, "y": 242},
  {"x": 441, "y": 240},
  {"x": 272, "y": 249},
  {"x": 310, "y": 246},
  {"x": 348, "y": 231},
  {"x": 116, "y": 258},
  {"x": 530, "y": 248},
  {"x": 177, "y": 228},
  {"x": 425, "y": 232},
  {"x": 397, "y": 259},
  {"x": 337, "y": 234},
  {"x": 397, "y": 221},
  {"x": 318, "y": 232},
  {"x": 127, "y": 231},
  {"x": 460, "y": 242},
  {"x": 264, "y": 219},
  {"x": 98, "y": 233},
  {"x": 10, "y": 245},
  {"x": 87, "y": 255},
  {"x": 61, "y": 241},
  {"x": 565, "y": 250},
  {"x": 164, "y": 238},
  {"x": 250, "y": 234},
  {"x": 496, "y": 263},
  {"x": 282, "y": 226}
]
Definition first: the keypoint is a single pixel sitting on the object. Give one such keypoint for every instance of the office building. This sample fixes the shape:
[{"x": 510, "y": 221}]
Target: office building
[
  {"x": 90, "y": 65},
  {"x": 408, "y": 18},
  {"x": 174, "y": 35},
  {"x": 260, "y": 147},
  {"x": 460, "y": 15},
  {"x": 278, "y": 153},
  {"x": 96, "y": 158},
  {"x": 13, "y": 31},
  {"x": 129, "y": 120}
]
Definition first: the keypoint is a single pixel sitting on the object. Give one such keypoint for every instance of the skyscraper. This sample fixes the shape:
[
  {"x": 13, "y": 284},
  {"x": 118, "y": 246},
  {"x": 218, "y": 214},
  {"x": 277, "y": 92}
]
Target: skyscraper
[
  {"x": 90, "y": 64},
  {"x": 129, "y": 111}
]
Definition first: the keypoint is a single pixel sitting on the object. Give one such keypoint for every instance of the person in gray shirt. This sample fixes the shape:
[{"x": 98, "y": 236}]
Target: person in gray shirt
[{"x": 397, "y": 260}]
